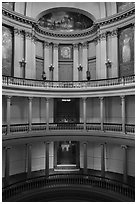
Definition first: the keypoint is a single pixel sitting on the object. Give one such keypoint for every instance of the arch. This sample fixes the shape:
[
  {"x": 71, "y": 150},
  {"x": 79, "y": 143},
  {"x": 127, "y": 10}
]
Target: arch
[{"x": 87, "y": 14}]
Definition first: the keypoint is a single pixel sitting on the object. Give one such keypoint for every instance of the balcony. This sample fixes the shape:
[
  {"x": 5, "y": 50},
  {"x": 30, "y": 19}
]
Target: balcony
[
  {"x": 107, "y": 187},
  {"x": 37, "y": 88}
]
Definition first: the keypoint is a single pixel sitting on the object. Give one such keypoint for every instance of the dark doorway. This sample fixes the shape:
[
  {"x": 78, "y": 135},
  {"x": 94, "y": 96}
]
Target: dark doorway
[
  {"x": 66, "y": 154},
  {"x": 66, "y": 110}
]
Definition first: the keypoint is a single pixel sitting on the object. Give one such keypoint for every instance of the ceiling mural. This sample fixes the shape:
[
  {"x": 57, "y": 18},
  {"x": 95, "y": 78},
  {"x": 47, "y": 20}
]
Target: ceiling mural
[{"x": 65, "y": 21}]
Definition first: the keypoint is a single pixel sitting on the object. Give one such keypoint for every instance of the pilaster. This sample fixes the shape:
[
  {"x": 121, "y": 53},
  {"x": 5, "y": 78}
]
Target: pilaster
[
  {"x": 75, "y": 62},
  {"x": 55, "y": 62}
]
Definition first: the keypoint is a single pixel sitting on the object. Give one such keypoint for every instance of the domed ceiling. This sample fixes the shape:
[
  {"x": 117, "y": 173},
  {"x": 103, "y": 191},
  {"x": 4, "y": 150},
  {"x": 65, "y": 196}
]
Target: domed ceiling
[{"x": 66, "y": 21}]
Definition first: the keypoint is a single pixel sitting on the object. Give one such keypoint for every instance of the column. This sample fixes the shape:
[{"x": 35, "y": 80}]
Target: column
[
  {"x": 85, "y": 157},
  {"x": 103, "y": 69},
  {"x": 75, "y": 62},
  {"x": 85, "y": 60},
  {"x": 114, "y": 54},
  {"x": 101, "y": 112},
  {"x": 103, "y": 160},
  {"x": 124, "y": 147},
  {"x": 29, "y": 147},
  {"x": 123, "y": 113},
  {"x": 46, "y": 59},
  {"x": 18, "y": 55},
  {"x": 47, "y": 158},
  {"x": 30, "y": 56},
  {"x": 47, "y": 113},
  {"x": 30, "y": 113},
  {"x": 84, "y": 113},
  {"x": 55, "y": 154},
  {"x": 55, "y": 62},
  {"x": 7, "y": 165},
  {"x": 98, "y": 54},
  {"x": 8, "y": 113}
]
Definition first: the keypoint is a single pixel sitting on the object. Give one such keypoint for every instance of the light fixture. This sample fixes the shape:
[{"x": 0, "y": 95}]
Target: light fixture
[
  {"x": 108, "y": 63},
  {"x": 66, "y": 100},
  {"x": 22, "y": 62}
]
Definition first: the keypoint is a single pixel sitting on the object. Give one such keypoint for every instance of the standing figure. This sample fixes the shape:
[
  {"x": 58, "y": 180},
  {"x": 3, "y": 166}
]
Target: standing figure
[{"x": 126, "y": 52}]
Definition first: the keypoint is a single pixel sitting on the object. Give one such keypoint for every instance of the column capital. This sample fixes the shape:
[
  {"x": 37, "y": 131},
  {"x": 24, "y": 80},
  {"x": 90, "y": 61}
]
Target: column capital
[
  {"x": 101, "y": 98},
  {"x": 7, "y": 147},
  {"x": 8, "y": 97},
  {"x": 103, "y": 36},
  {"x": 47, "y": 100},
  {"x": 46, "y": 142},
  {"x": 75, "y": 46},
  {"x": 46, "y": 44},
  {"x": 84, "y": 98},
  {"x": 28, "y": 35},
  {"x": 122, "y": 97},
  {"x": 114, "y": 33},
  {"x": 124, "y": 146},
  {"x": 55, "y": 45},
  {"x": 16, "y": 31},
  {"x": 85, "y": 44},
  {"x": 30, "y": 98}
]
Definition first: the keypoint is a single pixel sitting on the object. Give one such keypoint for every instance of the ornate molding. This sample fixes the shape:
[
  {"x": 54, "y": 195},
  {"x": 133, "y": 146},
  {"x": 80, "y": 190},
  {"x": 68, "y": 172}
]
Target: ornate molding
[
  {"x": 117, "y": 17},
  {"x": 29, "y": 21}
]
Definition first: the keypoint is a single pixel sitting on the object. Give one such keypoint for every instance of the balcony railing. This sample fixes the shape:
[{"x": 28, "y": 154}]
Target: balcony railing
[
  {"x": 110, "y": 186},
  {"x": 15, "y": 128},
  {"x": 7, "y": 80}
]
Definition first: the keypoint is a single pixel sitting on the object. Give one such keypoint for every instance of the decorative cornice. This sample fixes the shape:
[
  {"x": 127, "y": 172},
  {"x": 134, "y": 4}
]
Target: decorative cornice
[
  {"x": 97, "y": 24},
  {"x": 116, "y": 17}
]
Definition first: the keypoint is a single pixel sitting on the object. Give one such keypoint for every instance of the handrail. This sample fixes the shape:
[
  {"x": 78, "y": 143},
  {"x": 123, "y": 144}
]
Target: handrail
[
  {"x": 114, "y": 127},
  {"x": 8, "y": 80},
  {"x": 69, "y": 179}
]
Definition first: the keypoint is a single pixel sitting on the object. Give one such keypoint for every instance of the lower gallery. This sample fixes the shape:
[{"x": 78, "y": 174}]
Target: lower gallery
[{"x": 68, "y": 102}]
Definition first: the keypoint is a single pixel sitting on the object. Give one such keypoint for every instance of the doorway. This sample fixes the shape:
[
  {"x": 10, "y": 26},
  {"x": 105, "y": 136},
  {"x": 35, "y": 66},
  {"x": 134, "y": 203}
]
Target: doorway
[
  {"x": 66, "y": 154},
  {"x": 66, "y": 110}
]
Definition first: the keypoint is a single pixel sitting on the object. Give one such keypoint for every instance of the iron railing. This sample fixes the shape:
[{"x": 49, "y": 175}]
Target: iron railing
[
  {"x": 8, "y": 80},
  {"x": 69, "y": 179}
]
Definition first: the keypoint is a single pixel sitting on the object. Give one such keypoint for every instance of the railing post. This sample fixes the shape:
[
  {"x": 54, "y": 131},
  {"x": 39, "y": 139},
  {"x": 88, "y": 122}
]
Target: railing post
[
  {"x": 47, "y": 114},
  {"x": 30, "y": 113},
  {"x": 46, "y": 158},
  {"x": 123, "y": 113},
  {"x": 103, "y": 160},
  {"x": 124, "y": 147},
  {"x": 8, "y": 113},
  {"x": 29, "y": 147},
  {"x": 7, "y": 165},
  {"x": 85, "y": 157},
  {"x": 101, "y": 112},
  {"x": 84, "y": 113}
]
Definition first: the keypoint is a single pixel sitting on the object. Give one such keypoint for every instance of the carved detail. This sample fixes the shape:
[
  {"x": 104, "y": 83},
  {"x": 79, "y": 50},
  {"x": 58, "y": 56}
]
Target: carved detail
[
  {"x": 75, "y": 46},
  {"x": 46, "y": 44}
]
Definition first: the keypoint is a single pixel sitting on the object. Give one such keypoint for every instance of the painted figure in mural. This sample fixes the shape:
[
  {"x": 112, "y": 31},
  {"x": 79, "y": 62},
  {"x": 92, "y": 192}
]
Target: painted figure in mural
[{"x": 126, "y": 52}]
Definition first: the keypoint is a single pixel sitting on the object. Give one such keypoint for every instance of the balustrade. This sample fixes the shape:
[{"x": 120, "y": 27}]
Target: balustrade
[
  {"x": 7, "y": 80},
  {"x": 70, "y": 179},
  {"x": 68, "y": 126}
]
